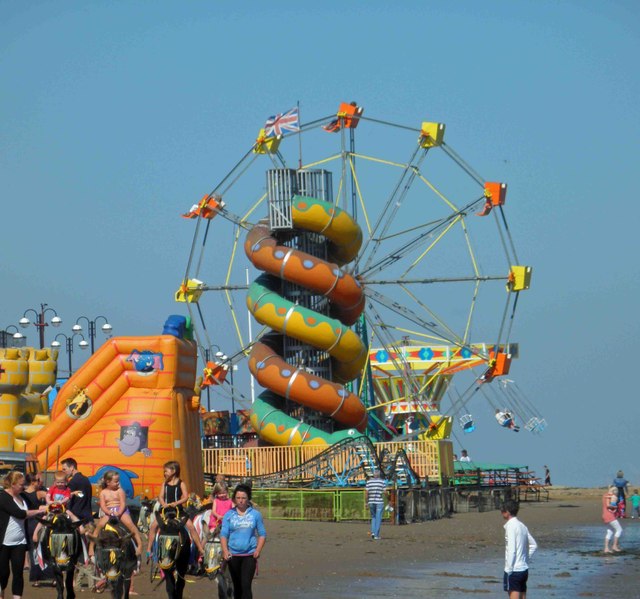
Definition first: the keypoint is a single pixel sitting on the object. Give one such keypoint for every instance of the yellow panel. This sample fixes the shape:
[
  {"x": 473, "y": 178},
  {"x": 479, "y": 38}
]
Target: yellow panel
[
  {"x": 266, "y": 145},
  {"x": 520, "y": 278},
  {"x": 191, "y": 292},
  {"x": 432, "y": 134}
]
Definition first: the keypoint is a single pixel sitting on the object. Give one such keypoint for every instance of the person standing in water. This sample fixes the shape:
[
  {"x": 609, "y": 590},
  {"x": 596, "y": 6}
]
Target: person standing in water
[{"x": 519, "y": 547}]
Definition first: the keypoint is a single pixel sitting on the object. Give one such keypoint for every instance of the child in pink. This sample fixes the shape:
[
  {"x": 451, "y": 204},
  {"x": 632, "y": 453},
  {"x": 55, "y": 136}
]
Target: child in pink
[{"x": 221, "y": 504}]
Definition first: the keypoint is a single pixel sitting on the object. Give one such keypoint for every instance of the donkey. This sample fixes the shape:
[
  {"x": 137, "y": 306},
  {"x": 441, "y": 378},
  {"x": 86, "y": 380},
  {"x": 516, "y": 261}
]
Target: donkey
[
  {"x": 116, "y": 558},
  {"x": 61, "y": 547},
  {"x": 213, "y": 564},
  {"x": 172, "y": 550}
]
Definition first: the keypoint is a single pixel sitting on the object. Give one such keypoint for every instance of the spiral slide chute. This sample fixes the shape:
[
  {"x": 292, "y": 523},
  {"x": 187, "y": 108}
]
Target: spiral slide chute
[
  {"x": 296, "y": 384},
  {"x": 343, "y": 291},
  {"x": 320, "y": 331},
  {"x": 276, "y": 427}
]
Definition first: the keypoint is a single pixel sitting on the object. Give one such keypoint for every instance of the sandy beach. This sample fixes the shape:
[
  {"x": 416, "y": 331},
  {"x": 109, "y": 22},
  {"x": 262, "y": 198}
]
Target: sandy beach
[{"x": 452, "y": 557}]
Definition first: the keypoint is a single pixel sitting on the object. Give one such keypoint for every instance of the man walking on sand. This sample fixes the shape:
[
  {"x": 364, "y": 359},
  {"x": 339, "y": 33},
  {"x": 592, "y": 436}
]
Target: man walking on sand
[
  {"x": 519, "y": 547},
  {"x": 374, "y": 491}
]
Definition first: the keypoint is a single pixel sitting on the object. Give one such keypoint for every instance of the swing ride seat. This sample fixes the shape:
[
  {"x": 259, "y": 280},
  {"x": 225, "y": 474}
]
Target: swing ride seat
[
  {"x": 467, "y": 424},
  {"x": 535, "y": 425}
]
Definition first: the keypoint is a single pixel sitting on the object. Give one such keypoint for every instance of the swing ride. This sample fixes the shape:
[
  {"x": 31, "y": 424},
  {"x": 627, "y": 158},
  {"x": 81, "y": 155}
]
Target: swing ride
[{"x": 375, "y": 270}]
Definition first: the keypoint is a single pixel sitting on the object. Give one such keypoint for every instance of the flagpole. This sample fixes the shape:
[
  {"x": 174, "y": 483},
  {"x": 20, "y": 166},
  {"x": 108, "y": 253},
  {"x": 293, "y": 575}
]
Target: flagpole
[{"x": 299, "y": 138}]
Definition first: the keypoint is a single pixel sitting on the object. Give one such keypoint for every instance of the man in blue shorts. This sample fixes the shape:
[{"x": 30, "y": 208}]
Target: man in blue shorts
[{"x": 519, "y": 547}]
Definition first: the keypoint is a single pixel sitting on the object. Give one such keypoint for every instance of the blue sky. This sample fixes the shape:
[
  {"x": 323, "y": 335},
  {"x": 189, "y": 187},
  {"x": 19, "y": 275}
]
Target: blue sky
[{"x": 118, "y": 117}]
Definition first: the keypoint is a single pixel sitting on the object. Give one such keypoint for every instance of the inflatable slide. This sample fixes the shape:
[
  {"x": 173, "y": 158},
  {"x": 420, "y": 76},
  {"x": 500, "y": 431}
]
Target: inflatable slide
[{"x": 130, "y": 408}]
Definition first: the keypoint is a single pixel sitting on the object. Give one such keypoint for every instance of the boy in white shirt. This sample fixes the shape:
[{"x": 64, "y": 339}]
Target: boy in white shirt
[{"x": 519, "y": 547}]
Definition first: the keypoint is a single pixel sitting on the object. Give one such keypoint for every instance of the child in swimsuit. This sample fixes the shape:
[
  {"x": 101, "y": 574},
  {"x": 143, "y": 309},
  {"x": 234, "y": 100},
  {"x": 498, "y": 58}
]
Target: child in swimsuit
[{"x": 113, "y": 502}]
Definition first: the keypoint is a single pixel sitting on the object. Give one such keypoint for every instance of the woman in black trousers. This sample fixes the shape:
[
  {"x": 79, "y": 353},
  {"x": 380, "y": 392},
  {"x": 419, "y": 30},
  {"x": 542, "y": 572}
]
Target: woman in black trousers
[{"x": 13, "y": 514}]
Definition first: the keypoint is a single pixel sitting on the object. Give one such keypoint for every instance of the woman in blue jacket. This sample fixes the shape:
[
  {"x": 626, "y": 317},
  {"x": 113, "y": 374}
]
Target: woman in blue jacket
[{"x": 242, "y": 538}]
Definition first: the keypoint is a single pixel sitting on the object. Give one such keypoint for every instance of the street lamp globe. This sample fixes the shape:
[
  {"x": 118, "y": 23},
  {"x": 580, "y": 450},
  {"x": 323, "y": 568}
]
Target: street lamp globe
[
  {"x": 106, "y": 328},
  {"x": 55, "y": 343},
  {"x": 76, "y": 328},
  {"x": 56, "y": 321},
  {"x": 83, "y": 344},
  {"x": 18, "y": 335},
  {"x": 24, "y": 322}
]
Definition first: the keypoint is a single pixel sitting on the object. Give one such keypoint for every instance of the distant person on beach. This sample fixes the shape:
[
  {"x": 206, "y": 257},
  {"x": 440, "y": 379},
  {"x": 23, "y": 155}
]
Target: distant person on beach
[
  {"x": 609, "y": 512},
  {"x": 374, "y": 491},
  {"x": 465, "y": 456},
  {"x": 547, "y": 476},
  {"x": 622, "y": 484},
  {"x": 635, "y": 504},
  {"x": 506, "y": 419},
  {"x": 519, "y": 547}
]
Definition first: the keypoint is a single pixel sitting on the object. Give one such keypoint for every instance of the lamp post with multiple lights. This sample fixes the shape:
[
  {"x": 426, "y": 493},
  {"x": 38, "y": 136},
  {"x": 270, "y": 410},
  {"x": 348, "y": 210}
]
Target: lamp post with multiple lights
[
  {"x": 91, "y": 326},
  {"x": 40, "y": 320},
  {"x": 4, "y": 335},
  {"x": 69, "y": 346}
]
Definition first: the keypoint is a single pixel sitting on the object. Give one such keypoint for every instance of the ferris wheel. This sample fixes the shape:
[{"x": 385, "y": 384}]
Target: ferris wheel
[{"x": 353, "y": 266}]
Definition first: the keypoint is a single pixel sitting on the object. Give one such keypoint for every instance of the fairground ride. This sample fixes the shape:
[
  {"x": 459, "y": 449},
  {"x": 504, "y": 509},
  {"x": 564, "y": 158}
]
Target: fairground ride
[{"x": 376, "y": 272}]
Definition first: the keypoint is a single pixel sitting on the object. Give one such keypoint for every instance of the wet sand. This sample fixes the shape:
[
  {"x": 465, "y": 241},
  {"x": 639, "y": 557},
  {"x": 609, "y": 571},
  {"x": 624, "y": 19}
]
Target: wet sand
[{"x": 452, "y": 557}]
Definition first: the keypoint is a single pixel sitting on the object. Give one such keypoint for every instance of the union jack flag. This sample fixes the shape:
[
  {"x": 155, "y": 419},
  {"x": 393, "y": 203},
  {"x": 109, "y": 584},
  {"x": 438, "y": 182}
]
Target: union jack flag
[{"x": 278, "y": 124}]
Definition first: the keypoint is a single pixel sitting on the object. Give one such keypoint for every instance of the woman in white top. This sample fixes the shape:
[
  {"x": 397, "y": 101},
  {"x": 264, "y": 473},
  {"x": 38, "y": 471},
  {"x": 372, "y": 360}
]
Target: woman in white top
[{"x": 13, "y": 513}]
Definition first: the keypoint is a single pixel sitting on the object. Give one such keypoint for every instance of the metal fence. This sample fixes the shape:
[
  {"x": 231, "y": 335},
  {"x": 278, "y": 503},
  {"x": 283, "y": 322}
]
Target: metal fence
[{"x": 310, "y": 505}]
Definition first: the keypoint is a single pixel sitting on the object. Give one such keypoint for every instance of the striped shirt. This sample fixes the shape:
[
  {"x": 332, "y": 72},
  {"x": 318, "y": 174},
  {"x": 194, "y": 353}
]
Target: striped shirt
[{"x": 375, "y": 488}]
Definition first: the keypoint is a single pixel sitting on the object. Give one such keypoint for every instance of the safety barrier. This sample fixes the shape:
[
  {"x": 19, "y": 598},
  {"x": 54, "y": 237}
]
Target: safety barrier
[
  {"x": 341, "y": 504},
  {"x": 432, "y": 460},
  {"x": 310, "y": 505}
]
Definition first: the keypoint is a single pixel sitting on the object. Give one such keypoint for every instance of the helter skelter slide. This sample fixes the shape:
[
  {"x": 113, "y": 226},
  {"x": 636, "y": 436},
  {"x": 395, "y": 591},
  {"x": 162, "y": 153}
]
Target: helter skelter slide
[{"x": 390, "y": 240}]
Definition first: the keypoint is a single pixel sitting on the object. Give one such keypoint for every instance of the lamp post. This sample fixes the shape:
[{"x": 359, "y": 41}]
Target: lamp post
[
  {"x": 40, "y": 321},
  {"x": 91, "y": 325},
  {"x": 69, "y": 346},
  {"x": 5, "y": 332}
]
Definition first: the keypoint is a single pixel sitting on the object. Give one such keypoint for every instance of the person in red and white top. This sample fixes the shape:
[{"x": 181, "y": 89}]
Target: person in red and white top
[
  {"x": 610, "y": 518},
  {"x": 519, "y": 547}
]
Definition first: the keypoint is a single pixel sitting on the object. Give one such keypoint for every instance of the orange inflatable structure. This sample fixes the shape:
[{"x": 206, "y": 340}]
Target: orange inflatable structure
[{"x": 130, "y": 408}]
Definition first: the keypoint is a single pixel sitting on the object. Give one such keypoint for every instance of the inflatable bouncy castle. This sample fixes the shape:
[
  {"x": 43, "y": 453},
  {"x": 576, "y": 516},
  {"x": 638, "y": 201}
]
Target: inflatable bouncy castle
[
  {"x": 130, "y": 408},
  {"x": 26, "y": 375}
]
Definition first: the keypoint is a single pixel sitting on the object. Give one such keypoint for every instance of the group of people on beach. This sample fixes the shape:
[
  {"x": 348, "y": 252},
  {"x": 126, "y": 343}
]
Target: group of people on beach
[{"x": 22, "y": 498}]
